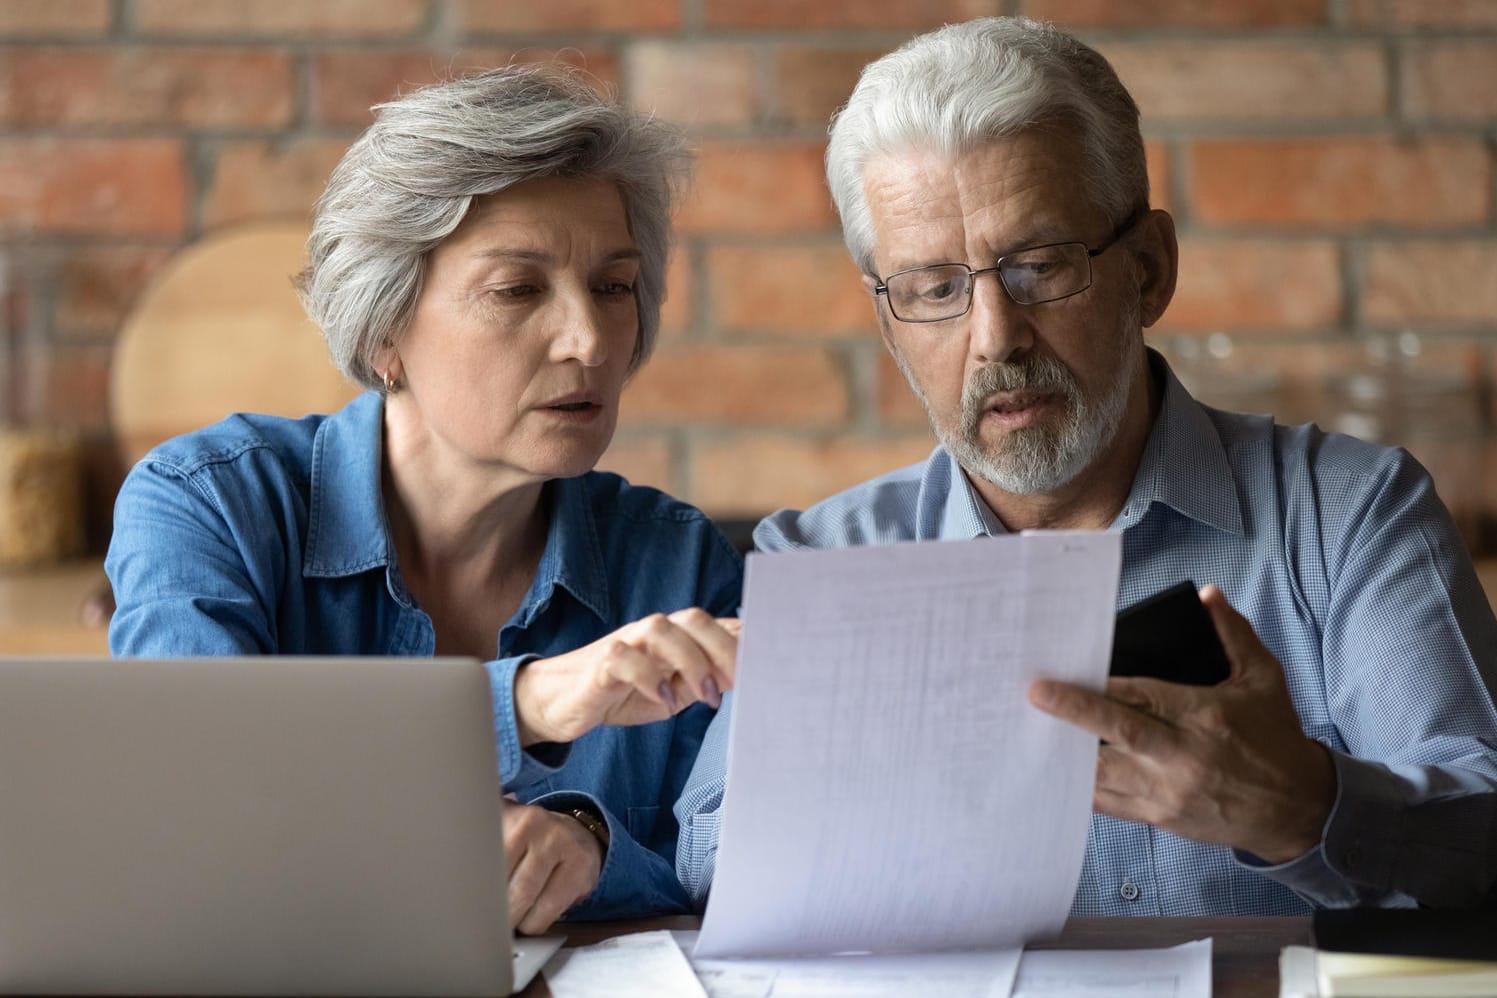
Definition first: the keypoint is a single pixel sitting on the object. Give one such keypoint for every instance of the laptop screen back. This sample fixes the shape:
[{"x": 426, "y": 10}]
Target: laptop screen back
[{"x": 250, "y": 826}]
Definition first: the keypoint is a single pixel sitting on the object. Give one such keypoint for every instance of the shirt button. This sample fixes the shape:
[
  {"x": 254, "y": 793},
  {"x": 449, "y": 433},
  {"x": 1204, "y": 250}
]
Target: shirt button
[{"x": 1129, "y": 891}]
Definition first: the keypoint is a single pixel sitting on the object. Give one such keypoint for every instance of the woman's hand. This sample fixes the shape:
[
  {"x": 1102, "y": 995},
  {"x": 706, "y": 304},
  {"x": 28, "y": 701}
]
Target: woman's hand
[
  {"x": 554, "y": 862},
  {"x": 645, "y": 671}
]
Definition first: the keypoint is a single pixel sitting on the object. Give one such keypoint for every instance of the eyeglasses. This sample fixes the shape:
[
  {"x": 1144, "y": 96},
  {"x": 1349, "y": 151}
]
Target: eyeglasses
[{"x": 1031, "y": 276}]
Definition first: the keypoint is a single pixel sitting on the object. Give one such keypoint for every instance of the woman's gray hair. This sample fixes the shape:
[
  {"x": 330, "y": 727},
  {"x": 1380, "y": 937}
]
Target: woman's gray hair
[
  {"x": 409, "y": 180},
  {"x": 956, "y": 87}
]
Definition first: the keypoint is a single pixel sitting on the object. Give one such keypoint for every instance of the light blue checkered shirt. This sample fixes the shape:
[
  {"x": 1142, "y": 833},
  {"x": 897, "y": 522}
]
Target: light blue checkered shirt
[{"x": 1353, "y": 575}]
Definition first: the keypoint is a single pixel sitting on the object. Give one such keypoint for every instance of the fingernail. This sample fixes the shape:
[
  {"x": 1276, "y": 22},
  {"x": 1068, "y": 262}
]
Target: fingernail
[
  {"x": 711, "y": 693},
  {"x": 668, "y": 695}
]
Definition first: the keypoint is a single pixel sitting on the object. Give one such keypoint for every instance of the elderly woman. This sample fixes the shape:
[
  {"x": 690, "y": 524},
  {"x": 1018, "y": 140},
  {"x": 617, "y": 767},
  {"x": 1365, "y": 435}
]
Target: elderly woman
[{"x": 489, "y": 258}]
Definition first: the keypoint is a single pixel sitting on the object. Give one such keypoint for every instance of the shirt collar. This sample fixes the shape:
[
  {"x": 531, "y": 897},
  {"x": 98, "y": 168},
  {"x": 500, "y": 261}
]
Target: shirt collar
[
  {"x": 963, "y": 514},
  {"x": 1183, "y": 466},
  {"x": 348, "y": 531},
  {"x": 573, "y": 558}
]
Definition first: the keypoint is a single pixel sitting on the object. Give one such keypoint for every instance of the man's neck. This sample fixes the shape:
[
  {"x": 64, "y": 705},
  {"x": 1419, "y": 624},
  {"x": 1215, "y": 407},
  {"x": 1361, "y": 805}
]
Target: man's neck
[{"x": 1093, "y": 499}]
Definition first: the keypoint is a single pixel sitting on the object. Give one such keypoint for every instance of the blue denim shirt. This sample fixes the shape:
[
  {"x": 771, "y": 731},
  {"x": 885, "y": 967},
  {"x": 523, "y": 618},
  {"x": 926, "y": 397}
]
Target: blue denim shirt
[
  {"x": 1351, "y": 572},
  {"x": 263, "y": 536}
]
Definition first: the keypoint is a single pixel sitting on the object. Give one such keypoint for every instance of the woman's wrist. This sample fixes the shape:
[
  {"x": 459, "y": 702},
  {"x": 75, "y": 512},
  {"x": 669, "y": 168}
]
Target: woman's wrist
[{"x": 526, "y": 712}]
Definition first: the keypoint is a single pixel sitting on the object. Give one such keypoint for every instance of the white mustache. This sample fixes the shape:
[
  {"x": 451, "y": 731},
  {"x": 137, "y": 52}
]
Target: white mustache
[{"x": 1038, "y": 374}]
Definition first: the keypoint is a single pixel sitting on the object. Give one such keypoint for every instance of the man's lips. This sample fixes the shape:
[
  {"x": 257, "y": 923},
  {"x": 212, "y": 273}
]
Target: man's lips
[{"x": 1014, "y": 402}]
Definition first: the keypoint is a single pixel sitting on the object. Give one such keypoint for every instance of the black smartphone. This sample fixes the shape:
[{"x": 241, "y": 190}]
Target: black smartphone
[{"x": 1169, "y": 636}]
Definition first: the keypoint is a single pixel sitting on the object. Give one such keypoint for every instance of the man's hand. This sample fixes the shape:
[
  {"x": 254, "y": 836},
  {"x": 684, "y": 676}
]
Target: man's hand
[
  {"x": 644, "y": 671},
  {"x": 554, "y": 862},
  {"x": 1227, "y": 764}
]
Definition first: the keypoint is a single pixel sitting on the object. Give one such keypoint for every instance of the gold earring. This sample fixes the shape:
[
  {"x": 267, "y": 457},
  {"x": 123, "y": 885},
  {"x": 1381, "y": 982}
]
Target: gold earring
[{"x": 391, "y": 385}]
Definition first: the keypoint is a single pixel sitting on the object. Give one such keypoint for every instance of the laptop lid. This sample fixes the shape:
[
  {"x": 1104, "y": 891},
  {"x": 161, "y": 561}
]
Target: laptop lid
[{"x": 250, "y": 826}]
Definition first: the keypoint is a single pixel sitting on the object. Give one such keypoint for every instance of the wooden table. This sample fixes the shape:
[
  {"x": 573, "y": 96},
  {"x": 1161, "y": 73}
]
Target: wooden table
[
  {"x": 1244, "y": 951},
  {"x": 40, "y": 610}
]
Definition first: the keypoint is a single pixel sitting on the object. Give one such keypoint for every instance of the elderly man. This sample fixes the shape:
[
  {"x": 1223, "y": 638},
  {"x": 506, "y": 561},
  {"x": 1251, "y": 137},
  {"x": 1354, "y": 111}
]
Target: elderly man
[{"x": 991, "y": 183}]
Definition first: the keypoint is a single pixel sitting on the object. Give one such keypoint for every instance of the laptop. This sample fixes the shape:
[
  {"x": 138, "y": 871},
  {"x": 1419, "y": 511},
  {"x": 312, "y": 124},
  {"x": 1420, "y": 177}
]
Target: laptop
[{"x": 253, "y": 826}]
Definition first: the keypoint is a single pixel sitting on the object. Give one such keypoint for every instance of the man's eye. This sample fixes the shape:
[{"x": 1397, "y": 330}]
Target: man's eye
[{"x": 937, "y": 288}]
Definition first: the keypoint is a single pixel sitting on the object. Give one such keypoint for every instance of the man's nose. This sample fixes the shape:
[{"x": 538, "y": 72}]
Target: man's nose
[{"x": 999, "y": 329}]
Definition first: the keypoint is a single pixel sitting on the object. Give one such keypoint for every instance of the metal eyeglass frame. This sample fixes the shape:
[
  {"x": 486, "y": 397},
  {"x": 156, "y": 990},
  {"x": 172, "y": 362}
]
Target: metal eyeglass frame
[{"x": 882, "y": 287}]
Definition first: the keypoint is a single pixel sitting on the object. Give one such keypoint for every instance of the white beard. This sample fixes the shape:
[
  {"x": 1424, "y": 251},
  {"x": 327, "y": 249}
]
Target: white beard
[{"x": 1048, "y": 455}]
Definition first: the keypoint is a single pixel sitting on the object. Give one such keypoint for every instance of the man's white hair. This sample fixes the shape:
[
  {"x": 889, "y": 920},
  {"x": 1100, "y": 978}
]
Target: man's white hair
[{"x": 952, "y": 89}]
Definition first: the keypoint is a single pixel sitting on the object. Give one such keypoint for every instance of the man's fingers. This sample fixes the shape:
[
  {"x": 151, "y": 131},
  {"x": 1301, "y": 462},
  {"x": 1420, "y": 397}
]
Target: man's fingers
[
  {"x": 1113, "y": 722},
  {"x": 1239, "y": 640}
]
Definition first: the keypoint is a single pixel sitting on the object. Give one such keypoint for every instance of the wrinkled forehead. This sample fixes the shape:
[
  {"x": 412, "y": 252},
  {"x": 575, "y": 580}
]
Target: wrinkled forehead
[{"x": 928, "y": 206}]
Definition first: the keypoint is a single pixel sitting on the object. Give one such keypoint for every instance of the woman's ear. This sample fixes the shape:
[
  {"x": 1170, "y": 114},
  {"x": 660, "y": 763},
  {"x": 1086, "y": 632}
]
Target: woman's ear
[
  {"x": 387, "y": 363},
  {"x": 1158, "y": 258}
]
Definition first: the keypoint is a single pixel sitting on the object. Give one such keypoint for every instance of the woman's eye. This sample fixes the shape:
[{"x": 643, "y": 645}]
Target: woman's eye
[
  {"x": 516, "y": 291},
  {"x": 616, "y": 289}
]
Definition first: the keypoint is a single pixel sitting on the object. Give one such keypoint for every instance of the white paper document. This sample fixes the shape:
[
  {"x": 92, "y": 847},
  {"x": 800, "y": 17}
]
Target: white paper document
[
  {"x": 889, "y": 786},
  {"x": 1177, "y": 972},
  {"x": 937, "y": 975},
  {"x": 639, "y": 965}
]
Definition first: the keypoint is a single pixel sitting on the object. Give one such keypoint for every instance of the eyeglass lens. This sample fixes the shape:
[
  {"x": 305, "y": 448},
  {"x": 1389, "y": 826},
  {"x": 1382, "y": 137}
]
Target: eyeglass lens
[{"x": 1030, "y": 276}]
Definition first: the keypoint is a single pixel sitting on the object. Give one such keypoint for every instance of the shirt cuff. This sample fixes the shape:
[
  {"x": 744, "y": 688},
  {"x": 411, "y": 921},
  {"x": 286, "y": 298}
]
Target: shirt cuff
[
  {"x": 1353, "y": 858},
  {"x": 518, "y": 767},
  {"x": 567, "y": 800}
]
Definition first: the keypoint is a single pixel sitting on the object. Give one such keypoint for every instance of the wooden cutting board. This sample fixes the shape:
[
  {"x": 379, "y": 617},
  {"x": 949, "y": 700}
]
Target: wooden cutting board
[{"x": 220, "y": 331}]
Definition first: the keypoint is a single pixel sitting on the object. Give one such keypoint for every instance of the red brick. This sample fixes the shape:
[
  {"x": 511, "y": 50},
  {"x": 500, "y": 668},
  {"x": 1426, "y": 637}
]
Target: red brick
[
  {"x": 347, "y": 83},
  {"x": 1176, "y": 80},
  {"x": 280, "y": 18},
  {"x": 123, "y": 187},
  {"x": 1195, "y": 13},
  {"x": 1255, "y": 284},
  {"x": 765, "y": 386},
  {"x": 98, "y": 285},
  {"x": 1342, "y": 181},
  {"x": 811, "y": 83},
  {"x": 643, "y": 459},
  {"x": 259, "y": 180},
  {"x": 1161, "y": 178},
  {"x": 693, "y": 83},
  {"x": 1450, "y": 79},
  {"x": 134, "y": 86},
  {"x": 1422, "y": 13},
  {"x": 768, "y": 187},
  {"x": 55, "y": 18},
  {"x": 1432, "y": 281},
  {"x": 75, "y": 392},
  {"x": 898, "y": 405},
  {"x": 511, "y": 16},
  {"x": 789, "y": 289},
  {"x": 676, "y": 311},
  {"x": 754, "y": 475},
  {"x": 878, "y": 15}
]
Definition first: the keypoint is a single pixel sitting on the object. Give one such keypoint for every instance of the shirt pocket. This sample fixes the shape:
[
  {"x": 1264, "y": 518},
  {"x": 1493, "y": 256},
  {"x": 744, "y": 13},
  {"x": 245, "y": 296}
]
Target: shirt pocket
[{"x": 642, "y": 821}]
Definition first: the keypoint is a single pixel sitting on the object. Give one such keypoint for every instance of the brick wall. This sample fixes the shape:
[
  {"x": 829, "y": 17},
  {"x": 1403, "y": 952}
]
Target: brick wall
[{"x": 1330, "y": 164}]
